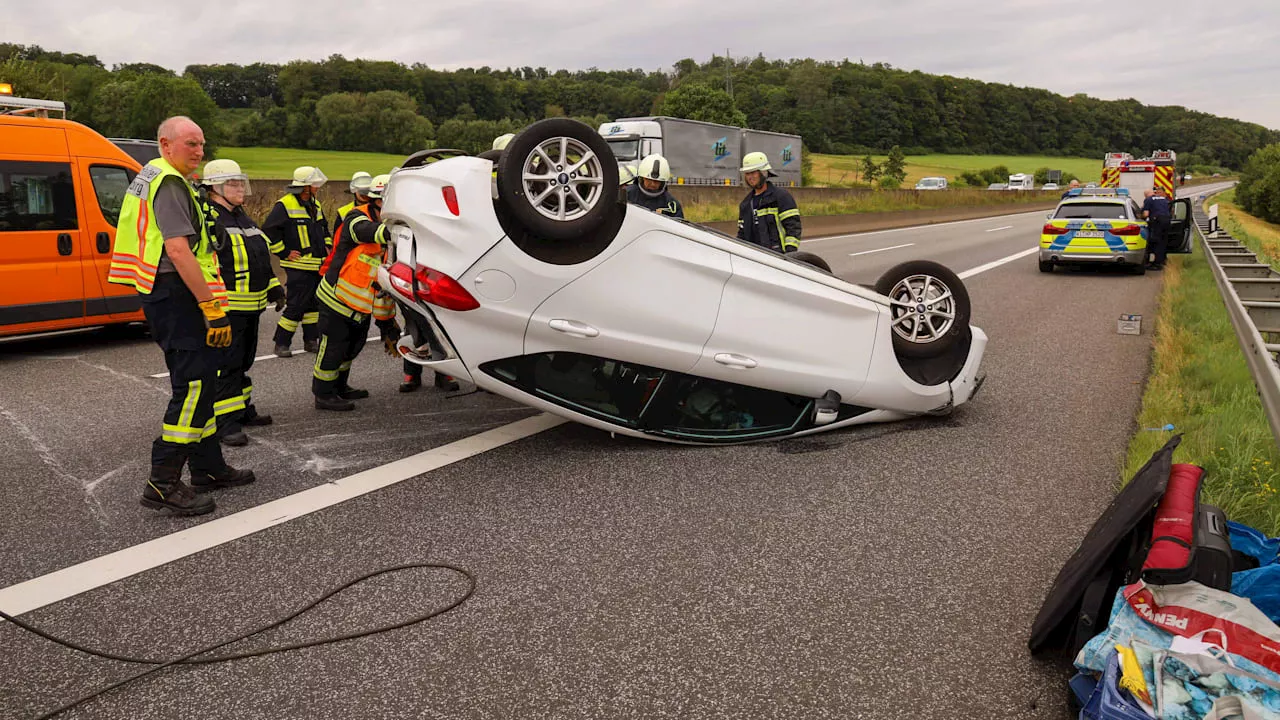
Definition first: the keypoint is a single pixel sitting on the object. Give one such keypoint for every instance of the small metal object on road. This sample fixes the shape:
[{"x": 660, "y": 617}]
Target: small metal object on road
[{"x": 1129, "y": 325}]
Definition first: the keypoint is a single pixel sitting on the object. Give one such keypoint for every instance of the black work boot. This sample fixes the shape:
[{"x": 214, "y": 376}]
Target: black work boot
[
  {"x": 227, "y": 477},
  {"x": 446, "y": 382},
  {"x": 283, "y": 351},
  {"x": 166, "y": 491},
  {"x": 311, "y": 346},
  {"x": 256, "y": 421},
  {"x": 353, "y": 394},
  {"x": 333, "y": 402},
  {"x": 233, "y": 435},
  {"x": 410, "y": 384}
]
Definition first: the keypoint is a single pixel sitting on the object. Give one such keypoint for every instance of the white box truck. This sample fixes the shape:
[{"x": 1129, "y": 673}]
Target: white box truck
[{"x": 701, "y": 153}]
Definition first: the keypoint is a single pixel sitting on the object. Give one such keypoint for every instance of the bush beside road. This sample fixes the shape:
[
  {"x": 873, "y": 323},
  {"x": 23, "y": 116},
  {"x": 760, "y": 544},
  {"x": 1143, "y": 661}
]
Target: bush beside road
[{"x": 1200, "y": 383}]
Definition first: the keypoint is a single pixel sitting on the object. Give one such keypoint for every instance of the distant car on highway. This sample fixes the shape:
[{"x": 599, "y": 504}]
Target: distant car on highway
[
  {"x": 997, "y": 186},
  {"x": 1049, "y": 186},
  {"x": 1105, "y": 225},
  {"x": 932, "y": 183},
  {"x": 545, "y": 287}
]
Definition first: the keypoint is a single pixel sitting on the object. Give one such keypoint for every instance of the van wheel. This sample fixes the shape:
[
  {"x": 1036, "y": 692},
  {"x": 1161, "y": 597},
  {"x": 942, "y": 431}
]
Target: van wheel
[
  {"x": 558, "y": 178},
  {"x": 929, "y": 307},
  {"x": 1046, "y": 266},
  {"x": 809, "y": 258}
]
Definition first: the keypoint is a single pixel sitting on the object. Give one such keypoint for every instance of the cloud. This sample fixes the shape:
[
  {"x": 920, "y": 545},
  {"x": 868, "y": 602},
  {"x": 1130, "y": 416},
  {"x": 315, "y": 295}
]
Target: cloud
[{"x": 1213, "y": 57}]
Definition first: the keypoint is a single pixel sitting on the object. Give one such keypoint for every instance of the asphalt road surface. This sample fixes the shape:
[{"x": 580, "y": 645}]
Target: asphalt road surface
[{"x": 883, "y": 572}]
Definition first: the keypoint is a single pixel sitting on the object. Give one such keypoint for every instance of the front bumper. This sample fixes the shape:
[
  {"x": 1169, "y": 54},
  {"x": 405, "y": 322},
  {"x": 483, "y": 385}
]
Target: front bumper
[{"x": 1128, "y": 257}]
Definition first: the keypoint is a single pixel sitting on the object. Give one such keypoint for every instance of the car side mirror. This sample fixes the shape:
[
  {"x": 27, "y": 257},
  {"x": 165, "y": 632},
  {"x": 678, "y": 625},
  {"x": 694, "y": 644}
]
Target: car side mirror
[
  {"x": 827, "y": 408},
  {"x": 1049, "y": 216}
]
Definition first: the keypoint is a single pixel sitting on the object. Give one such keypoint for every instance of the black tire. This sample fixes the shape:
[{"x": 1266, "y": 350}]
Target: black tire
[
  {"x": 1139, "y": 269},
  {"x": 1046, "y": 266},
  {"x": 809, "y": 258},
  {"x": 513, "y": 191},
  {"x": 492, "y": 155},
  {"x": 941, "y": 340}
]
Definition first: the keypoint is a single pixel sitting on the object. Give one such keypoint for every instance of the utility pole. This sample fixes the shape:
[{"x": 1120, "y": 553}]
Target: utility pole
[{"x": 728, "y": 75}]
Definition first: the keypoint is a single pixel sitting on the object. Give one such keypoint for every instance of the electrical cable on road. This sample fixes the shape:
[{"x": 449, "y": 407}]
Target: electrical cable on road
[{"x": 192, "y": 658}]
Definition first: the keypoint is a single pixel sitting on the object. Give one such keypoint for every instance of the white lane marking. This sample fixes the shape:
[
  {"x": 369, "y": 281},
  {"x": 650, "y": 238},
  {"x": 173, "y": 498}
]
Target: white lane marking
[
  {"x": 1005, "y": 227},
  {"x": 868, "y": 252},
  {"x": 997, "y": 263},
  {"x": 264, "y": 357},
  {"x": 926, "y": 226},
  {"x": 91, "y": 574}
]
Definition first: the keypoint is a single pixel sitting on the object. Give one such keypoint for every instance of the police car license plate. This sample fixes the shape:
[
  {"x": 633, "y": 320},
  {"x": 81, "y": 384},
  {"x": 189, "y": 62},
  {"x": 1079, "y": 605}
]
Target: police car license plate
[{"x": 1089, "y": 233}]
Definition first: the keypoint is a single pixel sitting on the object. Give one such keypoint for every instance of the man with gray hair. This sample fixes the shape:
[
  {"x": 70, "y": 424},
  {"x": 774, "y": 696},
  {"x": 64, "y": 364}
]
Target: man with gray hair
[{"x": 164, "y": 251}]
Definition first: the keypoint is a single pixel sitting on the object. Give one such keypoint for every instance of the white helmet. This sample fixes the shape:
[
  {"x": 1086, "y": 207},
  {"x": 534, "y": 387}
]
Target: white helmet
[
  {"x": 654, "y": 167},
  {"x": 500, "y": 142},
  {"x": 360, "y": 183},
  {"x": 219, "y": 172},
  {"x": 755, "y": 161},
  {"x": 378, "y": 186},
  {"x": 308, "y": 176}
]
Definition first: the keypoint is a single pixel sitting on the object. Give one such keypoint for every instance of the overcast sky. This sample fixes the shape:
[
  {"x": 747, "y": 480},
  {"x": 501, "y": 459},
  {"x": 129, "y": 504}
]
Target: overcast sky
[{"x": 1218, "y": 57}]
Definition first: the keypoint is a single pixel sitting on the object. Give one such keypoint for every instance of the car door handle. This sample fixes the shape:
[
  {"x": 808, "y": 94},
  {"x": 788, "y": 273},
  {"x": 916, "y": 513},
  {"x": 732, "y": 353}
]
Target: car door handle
[
  {"x": 573, "y": 327},
  {"x": 64, "y": 244},
  {"x": 104, "y": 242},
  {"x": 735, "y": 361}
]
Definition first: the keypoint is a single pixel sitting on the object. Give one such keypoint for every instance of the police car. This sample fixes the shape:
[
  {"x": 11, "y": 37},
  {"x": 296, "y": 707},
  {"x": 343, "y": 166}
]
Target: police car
[
  {"x": 546, "y": 288},
  {"x": 1095, "y": 225}
]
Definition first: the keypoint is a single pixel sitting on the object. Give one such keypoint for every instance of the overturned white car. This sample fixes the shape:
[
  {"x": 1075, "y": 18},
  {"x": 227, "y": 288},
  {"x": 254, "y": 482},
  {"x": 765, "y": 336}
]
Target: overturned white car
[{"x": 543, "y": 287}]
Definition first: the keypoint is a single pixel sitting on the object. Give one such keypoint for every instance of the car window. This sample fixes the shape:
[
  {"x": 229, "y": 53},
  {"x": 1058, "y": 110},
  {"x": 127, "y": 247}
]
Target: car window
[
  {"x": 615, "y": 391},
  {"x": 709, "y": 409},
  {"x": 625, "y": 149},
  {"x": 109, "y": 185},
  {"x": 1180, "y": 210},
  {"x": 1095, "y": 211},
  {"x": 36, "y": 196}
]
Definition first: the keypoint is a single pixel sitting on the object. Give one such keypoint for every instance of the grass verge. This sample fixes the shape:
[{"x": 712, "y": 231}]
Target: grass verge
[
  {"x": 876, "y": 201},
  {"x": 1199, "y": 382},
  {"x": 279, "y": 163}
]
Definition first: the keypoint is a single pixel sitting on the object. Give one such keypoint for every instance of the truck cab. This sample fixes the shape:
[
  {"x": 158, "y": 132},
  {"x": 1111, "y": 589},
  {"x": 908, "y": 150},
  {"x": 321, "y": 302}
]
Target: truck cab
[{"x": 632, "y": 140}]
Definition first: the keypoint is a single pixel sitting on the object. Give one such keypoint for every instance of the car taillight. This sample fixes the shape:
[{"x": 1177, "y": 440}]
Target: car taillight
[
  {"x": 1051, "y": 229},
  {"x": 451, "y": 199},
  {"x": 432, "y": 286},
  {"x": 1127, "y": 230}
]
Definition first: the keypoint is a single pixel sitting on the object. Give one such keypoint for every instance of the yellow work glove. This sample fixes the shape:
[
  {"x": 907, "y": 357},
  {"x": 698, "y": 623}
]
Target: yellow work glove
[
  {"x": 390, "y": 336},
  {"x": 217, "y": 323}
]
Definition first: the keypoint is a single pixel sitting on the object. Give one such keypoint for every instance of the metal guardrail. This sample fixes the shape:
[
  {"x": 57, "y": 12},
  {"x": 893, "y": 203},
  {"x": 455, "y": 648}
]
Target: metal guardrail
[{"x": 1251, "y": 291}]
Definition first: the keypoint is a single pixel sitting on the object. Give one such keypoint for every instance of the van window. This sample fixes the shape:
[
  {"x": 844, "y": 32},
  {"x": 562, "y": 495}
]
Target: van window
[
  {"x": 36, "y": 196},
  {"x": 110, "y": 184}
]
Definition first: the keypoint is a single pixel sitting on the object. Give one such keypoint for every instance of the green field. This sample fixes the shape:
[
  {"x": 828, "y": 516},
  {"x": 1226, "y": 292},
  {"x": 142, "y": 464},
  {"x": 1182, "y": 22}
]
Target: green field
[
  {"x": 837, "y": 170},
  {"x": 834, "y": 170},
  {"x": 278, "y": 163}
]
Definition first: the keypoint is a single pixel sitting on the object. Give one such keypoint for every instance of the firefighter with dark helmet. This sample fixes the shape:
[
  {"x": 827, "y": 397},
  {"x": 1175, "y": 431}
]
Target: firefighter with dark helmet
[
  {"x": 244, "y": 254},
  {"x": 768, "y": 215},
  {"x": 349, "y": 299},
  {"x": 650, "y": 187}
]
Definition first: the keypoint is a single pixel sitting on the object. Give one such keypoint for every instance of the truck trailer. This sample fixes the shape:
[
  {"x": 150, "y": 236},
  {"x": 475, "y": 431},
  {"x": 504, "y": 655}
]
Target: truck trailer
[{"x": 702, "y": 153}]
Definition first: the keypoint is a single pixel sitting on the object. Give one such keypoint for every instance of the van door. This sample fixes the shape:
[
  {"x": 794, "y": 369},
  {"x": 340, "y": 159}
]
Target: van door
[
  {"x": 103, "y": 184},
  {"x": 41, "y": 283}
]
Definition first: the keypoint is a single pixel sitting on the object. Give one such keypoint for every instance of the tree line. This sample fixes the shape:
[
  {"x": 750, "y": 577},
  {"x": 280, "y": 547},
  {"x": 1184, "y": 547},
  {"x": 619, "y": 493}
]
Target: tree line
[{"x": 837, "y": 107}]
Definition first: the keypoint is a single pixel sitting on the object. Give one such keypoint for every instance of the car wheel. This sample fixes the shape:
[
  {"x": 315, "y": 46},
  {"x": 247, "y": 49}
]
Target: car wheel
[
  {"x": 1046, "y": 266},
  {"x": 929, "y": 307},
  {"x": 558, "y": 178},
  {"x": 1139, "y": 269},
  {"x": 809, "y": 258}
]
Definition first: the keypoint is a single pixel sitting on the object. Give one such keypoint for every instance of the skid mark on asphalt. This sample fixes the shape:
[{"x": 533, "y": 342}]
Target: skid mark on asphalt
[
  {"x": 51, "y": 461},
  {"x": 110, "y": 371}
]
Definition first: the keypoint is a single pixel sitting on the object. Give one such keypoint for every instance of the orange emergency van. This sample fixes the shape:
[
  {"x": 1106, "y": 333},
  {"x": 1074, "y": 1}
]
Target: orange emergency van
[{"x": 61, "y": 186}]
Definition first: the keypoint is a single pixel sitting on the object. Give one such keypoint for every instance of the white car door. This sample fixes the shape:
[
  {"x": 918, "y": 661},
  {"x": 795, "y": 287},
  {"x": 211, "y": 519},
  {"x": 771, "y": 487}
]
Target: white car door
[
  {"x": 654, "y": 302},
  {"x": 785, "y": 332}
]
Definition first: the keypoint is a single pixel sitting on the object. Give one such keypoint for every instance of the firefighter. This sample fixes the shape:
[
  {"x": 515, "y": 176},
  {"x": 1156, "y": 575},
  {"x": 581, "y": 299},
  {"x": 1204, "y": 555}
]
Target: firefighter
[
  {"x": 164, "y": 251},
  {"x": 297, "y": 228},
  {"x": 1156, "y": 211},
  {"x": 768, "y": 215},
  {"x": 359, "y": 189},
  {"x": 501, "y": 142},
  {"x": 650, "y": 187},
  {"x": 245, "y": 259},
  {"x": 349, "y": 298}
]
